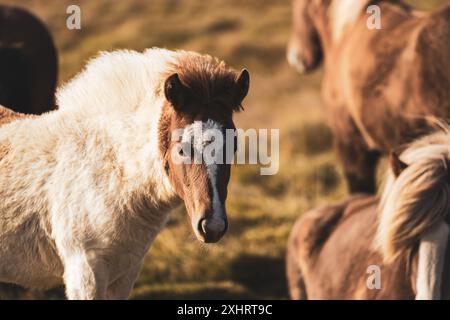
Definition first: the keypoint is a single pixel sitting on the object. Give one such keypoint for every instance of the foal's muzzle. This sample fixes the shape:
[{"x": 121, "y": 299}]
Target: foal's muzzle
[{"x": 211, "y": 230}]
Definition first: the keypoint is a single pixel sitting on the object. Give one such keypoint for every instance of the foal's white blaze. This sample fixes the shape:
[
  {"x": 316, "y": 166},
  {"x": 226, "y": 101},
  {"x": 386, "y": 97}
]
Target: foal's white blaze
[
  {"x": 344, "y": 13},
  {"x": 432, "y": 251},
  {"x": 206, "y": 135},
  {"x": 218, "y": 215},
  {"x": 212, "y": 167}
]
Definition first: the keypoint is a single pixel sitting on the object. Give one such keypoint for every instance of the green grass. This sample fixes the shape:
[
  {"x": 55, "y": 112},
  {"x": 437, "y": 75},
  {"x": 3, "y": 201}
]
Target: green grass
[{"x": 249, "y": 262}]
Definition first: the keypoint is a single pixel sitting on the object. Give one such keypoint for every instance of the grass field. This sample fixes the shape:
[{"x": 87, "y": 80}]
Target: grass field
[{"x": 249, "y": 261}]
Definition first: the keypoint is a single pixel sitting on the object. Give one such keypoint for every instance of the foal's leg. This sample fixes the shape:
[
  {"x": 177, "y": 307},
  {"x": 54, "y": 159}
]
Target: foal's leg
[
  {"x": 121, "y": 288},
  {"x": 85, "y": 277}
]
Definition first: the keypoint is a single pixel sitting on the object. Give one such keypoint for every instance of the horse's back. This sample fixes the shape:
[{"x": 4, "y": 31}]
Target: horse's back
[
  {"x": 306, "y": 239},
  {"x": 433, "y": 52},
  {"x": 313, "y": 227},
  {"x": 334, "y": 247},
  {"x": 394, "y": 76},
  {"x": 8, "y": 115}
]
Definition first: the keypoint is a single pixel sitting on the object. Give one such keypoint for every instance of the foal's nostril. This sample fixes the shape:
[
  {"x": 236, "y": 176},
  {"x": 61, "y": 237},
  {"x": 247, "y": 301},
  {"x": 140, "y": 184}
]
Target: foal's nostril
[
  {"x": 203, "y": 226},
  {"x": 212, "y": 230}
]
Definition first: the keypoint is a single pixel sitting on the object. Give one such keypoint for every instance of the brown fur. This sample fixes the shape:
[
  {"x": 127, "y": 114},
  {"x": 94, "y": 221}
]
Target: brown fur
[
  {"x": 209, "y": 81},
  {"x": 378, "y": 84},
  {"x": 7, "y": 115},
  {"x": 330, "y": 249},
  {"x": 28, "y": 62},
  {"x": 204, "y": 89}
]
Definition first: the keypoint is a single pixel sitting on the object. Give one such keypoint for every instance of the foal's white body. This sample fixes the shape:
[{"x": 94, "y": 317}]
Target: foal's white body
[{"x": 83, "y": 190}]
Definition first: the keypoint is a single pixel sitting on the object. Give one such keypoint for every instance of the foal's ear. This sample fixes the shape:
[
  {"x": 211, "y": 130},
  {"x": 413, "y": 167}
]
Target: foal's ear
[
  {"x": 397, "y": 165},
  {"x": 174, "y": 91},
  {"x": 242, "y": 86}
]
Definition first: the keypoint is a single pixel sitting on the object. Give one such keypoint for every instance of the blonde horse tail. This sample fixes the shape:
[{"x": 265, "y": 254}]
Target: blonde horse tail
[{"x": 415, "y": 201}]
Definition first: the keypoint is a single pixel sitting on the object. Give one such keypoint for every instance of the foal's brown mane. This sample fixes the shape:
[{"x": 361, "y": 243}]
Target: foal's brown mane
[
  {"x": 208, "y": 79},
  {"x": 210, "y": 87}
]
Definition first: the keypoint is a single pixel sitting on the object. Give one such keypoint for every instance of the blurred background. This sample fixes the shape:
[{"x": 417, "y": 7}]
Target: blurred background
[{"x": 249, "y": 261}]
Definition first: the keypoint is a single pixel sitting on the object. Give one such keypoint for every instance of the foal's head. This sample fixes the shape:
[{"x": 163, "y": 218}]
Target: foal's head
[
  {"x": 304, "y": 51},
  {"x": 201, "y": 97}
]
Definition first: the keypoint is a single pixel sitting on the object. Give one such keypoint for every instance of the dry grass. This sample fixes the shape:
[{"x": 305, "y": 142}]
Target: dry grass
[{"x": 249, "y": 262}]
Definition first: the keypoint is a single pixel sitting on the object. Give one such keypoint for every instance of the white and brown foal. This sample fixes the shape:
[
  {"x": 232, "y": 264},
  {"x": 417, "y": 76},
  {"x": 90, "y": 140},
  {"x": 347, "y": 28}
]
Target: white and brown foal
[{"x": 85, "y": 189}]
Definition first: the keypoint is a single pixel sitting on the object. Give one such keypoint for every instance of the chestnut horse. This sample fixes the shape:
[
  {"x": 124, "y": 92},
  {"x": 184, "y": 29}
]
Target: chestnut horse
[
  {"x": 378, "y": 83},
  {"x": 28, "y": 62},
  {"x": 333, "y": 250},
  {"x": 86, "y": 188}
]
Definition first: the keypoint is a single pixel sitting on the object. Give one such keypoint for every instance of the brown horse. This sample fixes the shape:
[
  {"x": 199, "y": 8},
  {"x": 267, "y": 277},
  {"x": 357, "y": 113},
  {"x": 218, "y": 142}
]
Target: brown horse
[
  {"x": 333, "y": 250},
  {"x": 28, "y": 62},
  {"x": 378, "y": 83}
]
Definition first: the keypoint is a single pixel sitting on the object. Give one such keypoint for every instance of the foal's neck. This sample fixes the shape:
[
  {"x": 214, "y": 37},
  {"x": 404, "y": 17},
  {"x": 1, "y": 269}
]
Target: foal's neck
[
  {"x": 134, "y": 139},
  {"x": 116, "y": 99}
]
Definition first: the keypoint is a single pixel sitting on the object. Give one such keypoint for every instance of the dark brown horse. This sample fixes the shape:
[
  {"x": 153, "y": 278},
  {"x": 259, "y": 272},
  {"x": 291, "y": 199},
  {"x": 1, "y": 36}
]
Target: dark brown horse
[
  {"x": 378, "y": 83},
  {"x": 28, "y": 62}
]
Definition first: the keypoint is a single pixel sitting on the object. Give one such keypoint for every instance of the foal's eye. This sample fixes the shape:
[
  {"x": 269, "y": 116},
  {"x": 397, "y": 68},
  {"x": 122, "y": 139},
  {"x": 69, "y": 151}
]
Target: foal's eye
[
  {"x": 209, "y": 141},
  {"x": 185, "y": 150}
]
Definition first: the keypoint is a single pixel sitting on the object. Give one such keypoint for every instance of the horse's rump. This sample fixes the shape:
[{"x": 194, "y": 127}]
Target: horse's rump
[
  {"x": 335, "y": 259},
  {"x": 314, "y": 228}
]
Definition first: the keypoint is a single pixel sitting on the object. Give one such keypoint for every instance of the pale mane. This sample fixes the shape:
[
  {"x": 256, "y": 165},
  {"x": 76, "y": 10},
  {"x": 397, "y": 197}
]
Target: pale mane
[
  {"x": 343, "y": 14},
  {"x": 124, "y": 80},
  {"x": 117, "y": 81},
  {"x": 418, "y": 198}
]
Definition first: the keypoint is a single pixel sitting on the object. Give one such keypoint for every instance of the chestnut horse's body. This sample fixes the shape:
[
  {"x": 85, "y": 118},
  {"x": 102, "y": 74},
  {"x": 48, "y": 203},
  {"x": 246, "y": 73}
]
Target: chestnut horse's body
[
  {"x": 335, "y": 252},
  {"x": 378, "y": 83},
  {"x": 28, "y": 62}
]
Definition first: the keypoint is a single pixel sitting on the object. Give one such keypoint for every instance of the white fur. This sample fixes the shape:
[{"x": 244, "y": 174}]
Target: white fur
[
  {"x": 199, "y": 134},
  {"x": 294, "y": 60},
  {"x": 344, "y": 14},
  {"x": 432, "y": 251},
  {"x": 83, "y": 191},
  {"x": 218, "y": 216}
]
